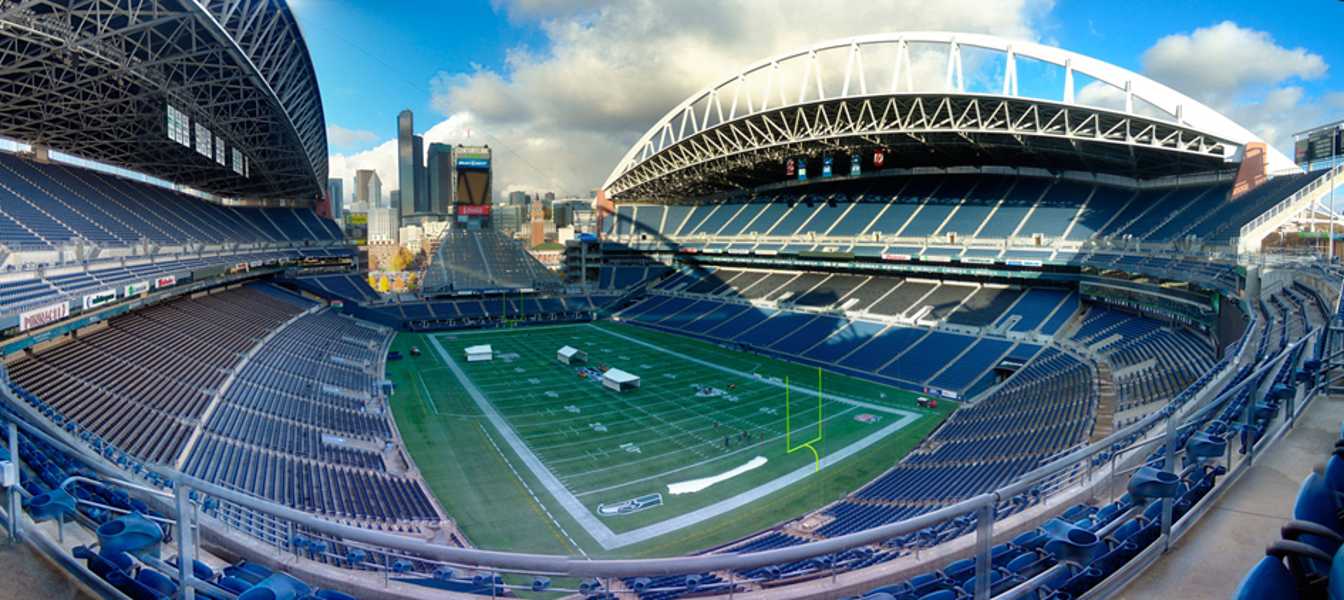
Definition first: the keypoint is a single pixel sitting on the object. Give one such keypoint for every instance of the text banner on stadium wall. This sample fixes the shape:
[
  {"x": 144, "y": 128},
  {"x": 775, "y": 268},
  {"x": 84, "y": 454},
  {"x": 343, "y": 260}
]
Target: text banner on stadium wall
[
  {"x": 165, "y": 281},
  {"x": 97, "y": 299},
  {"x": 135, "y": 289},
  {"x": 43, "y": 316},
  {"x": 826, "y": 166},
  {"x": 855, "y": 165}
]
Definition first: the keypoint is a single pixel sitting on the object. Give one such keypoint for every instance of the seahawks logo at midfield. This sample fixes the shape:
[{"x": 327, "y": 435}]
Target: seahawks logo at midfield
[{"x": 631, "y": 506}]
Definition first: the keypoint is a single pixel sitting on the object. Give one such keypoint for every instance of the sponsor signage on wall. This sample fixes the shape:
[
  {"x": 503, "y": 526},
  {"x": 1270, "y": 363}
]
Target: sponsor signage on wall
[
  {"x": 43, "y": 316},
  {"x": 879, "y": 157},
  {"x": 97, "y": 299},
  {"x": 855, "y": 165},
  {"x": 165, "y": 281},
  {"x": 790, "y": 168},
  {"x": 826, "y": 166},
  {"x": 802, "y": 169},
  {"x": 940, "y": 392},
  {"x": 135, "y": 289},
  {"x": 886, "y": 256}
]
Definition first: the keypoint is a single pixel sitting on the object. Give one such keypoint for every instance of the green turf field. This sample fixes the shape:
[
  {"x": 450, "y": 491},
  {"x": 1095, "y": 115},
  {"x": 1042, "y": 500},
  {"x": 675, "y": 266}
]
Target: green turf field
[{"x": 542, "y": 460}]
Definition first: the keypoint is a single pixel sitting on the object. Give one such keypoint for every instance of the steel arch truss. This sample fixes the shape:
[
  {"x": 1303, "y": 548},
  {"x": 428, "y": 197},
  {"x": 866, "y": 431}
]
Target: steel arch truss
[
  {"x": 93, "y": 78},
  {"x": 925, "y": 83},
  {"x": 951, "y": 129}
]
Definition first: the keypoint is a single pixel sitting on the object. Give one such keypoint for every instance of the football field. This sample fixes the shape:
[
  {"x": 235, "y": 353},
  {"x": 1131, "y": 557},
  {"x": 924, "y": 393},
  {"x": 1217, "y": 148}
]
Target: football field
[{"x": 710, "y": 436}]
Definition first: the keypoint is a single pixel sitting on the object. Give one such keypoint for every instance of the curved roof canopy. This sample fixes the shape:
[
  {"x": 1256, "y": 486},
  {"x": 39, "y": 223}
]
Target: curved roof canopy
[
  {"x": 934, "y": 99},
  {"x": 94, "y": 78}
]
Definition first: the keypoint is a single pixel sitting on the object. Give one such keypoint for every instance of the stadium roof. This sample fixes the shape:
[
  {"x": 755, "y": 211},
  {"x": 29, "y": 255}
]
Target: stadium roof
[
  {"x": 94, "y": 78},
  {"x": 935, "y": 99}
]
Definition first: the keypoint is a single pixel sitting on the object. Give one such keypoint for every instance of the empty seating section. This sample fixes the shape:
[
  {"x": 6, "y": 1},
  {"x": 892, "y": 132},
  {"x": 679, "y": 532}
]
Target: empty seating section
[
  {"x": 299, "y": 425},
  {"x": 620, "y": 277},
  {"x": 1151, "y": 362},
  {"x": 984, "y": 306},
  {"x": 1033, "y": 309},
  {"x": 47, "y": 205},
  {"x": 142, "y": 382},
  {"x": 1042, "y": 410},
  {"x": 484, "y": 259},
  {"x": 842, "y": 339},
  {"x": 933, "y": 352},
  {"x": 933, "y": 207},
  {"x": 354, "y": 288}
]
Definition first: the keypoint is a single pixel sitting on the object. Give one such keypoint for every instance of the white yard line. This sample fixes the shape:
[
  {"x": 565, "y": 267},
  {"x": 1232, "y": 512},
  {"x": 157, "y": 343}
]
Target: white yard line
[
  {"x": 429, "y": 399},
  {"x": 599, "y": 531},
  {"x": 801, "y": 388},
  {"x": 528, "y": 488}
]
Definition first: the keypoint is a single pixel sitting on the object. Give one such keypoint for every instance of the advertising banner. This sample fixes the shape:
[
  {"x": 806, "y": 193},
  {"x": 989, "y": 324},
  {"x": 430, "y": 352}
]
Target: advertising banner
[
  {"x": 802, "y": 169},
  {"x": 790, "y": 168},
  {"x": 879, "y": 157},
  {"x": 474, "y": 210},
  {"x": 826, "y": 165},
  {"x": 43, "y": 316},
  {"x": 855, "y": 165},
  {"x": 886, "y": 256},
  {"x": 135, "y": 289},
  {"x": 97, "y": 299},
  {"x": 165, "y": 281},
  {"x": 473, "y": 163}
]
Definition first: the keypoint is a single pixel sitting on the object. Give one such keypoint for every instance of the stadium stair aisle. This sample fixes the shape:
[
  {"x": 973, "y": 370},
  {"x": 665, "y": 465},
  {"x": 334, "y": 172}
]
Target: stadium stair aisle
[
  {"x": 1213, "y": 557},
  {"x": 1104, "y": 423}
]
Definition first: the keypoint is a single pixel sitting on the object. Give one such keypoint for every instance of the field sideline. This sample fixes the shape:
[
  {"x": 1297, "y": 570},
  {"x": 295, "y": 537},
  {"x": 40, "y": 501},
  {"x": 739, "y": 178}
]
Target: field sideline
[{"x": 526, "y": 451}]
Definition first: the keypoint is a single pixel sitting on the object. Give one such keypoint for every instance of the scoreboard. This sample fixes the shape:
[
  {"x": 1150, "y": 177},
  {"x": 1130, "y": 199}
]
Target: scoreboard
[{"x": 1319, "y": 144}]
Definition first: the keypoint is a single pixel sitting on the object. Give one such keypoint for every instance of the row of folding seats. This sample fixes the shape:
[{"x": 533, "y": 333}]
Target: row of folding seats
[
  {"x": 315, "y": 487},
  {"x": 54, "y": 203},
  {"x": 162, "y": 363}
]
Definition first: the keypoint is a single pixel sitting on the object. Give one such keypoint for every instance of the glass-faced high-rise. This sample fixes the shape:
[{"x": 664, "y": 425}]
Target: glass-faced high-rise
[{"x": 408, "y": 158}]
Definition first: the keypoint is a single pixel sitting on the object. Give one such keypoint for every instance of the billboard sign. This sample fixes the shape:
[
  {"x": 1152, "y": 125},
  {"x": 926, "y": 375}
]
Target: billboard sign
[
  {"x": 790, "y": 168},
  {"x": 97, "y": 299},
  {"x": 802, "y": 169},
  {"x": 472, "y": 157},
  {"x": 135, "y": 289},
  {"x": 473, "y": 210},
  {"x": 879, "y": 157},
  {"x": 165, "y": 281},
  {"x": 473, "y": 163},
  {"x": 43, "y": 316},
  {"x": 1319, "y": 144},
  {"x": 855, "y": 165},
  {"x": 826, "y": 165}
]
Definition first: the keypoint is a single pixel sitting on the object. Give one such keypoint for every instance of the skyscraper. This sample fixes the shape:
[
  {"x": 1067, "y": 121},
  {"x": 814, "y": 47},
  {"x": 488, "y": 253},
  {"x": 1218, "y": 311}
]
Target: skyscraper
[
  {"x": 410, "y": 163},
  {"x": 418, "y": 198},
  {"x": 368, "y": 188},
  {"x": 440, "y": 167},
  {"x": 336, "y": 193}
]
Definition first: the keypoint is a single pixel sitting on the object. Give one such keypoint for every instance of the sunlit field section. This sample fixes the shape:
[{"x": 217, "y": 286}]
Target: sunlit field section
[{"x": 696, "y": 455}]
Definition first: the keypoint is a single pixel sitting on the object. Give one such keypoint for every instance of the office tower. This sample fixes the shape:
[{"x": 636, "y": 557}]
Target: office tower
[
  {"x": 440, "y": 168},
  {"x": 394, "y": 201},
  {"x": 410, "y": 163},
  {"x": 336, "y": 194},
  {"x": 368, "y": 188}
]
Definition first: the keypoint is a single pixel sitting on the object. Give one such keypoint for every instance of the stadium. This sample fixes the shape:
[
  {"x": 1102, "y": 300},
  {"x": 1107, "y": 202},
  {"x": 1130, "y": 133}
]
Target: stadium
[{"x": 848, "y": 327}]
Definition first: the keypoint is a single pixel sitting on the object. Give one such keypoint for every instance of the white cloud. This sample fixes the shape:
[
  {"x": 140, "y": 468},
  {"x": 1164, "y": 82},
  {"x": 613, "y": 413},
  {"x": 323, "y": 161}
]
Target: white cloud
[
  {"x": 1245, "y": 74},
  {"x": 342, "y": 138},
  {"x": 560, "y": 118},
  {"x": 1213, "y": 63}
]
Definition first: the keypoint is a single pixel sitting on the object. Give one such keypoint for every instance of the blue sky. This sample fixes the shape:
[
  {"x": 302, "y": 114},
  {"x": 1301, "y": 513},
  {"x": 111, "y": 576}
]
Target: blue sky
[{"x": 561, "y": 87}]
